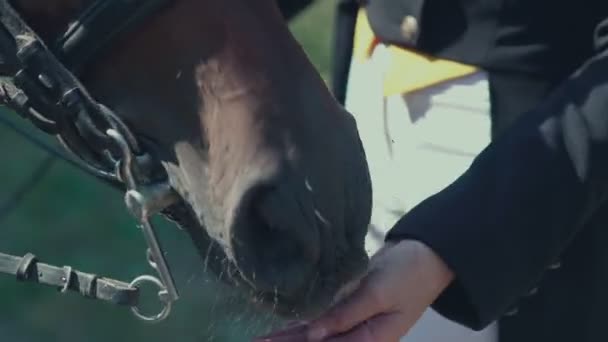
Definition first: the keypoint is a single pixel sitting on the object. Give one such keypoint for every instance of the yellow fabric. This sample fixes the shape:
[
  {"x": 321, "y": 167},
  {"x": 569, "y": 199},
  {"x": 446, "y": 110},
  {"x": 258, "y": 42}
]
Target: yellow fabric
[{"x": 408, "y": 70}]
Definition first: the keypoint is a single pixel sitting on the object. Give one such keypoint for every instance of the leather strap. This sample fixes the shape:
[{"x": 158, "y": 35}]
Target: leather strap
[
  {"x": 29, "y": 269},
  {"x": 98, "y": 25}
]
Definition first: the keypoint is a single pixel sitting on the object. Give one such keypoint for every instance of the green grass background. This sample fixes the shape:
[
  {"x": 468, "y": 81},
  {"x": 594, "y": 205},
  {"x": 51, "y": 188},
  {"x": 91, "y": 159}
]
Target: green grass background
[{"x": 71, "y": 219}]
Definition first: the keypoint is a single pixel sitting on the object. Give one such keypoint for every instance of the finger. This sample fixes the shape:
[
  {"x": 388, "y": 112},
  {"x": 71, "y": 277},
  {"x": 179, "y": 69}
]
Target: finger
[
  {"x": 291, "y": 338},
  {"x": 365, "y": 302},
  {"x": 292, "y": 329},
  {"x": 287, "y": 338},
  {"x": 385, "y": 328}
]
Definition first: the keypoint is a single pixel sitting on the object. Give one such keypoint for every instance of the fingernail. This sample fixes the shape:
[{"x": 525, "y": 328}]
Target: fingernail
[{"x": 317, "y": 334}]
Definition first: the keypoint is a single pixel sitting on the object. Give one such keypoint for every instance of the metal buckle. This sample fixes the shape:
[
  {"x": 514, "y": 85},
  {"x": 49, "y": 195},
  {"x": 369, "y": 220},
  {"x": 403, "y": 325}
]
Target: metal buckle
[{"x": 144, "y": 201}]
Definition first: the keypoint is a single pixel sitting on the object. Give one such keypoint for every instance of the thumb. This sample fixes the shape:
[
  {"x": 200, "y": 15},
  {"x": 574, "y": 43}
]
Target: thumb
[
  {"x": 384, "y": 327},
  {"x": 364, "y": 303}
]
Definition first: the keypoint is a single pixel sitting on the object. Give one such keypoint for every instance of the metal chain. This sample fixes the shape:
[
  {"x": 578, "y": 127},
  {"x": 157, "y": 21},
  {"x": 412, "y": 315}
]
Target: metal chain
[
  {"x": 144, "y": 201},
  {"x": 49, "y": 94}
]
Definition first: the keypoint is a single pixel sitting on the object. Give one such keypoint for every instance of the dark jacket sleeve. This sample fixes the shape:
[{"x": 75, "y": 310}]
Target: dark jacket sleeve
[
  {"x": 516, "y": 209},
  {"x": 291, "y": 8}
]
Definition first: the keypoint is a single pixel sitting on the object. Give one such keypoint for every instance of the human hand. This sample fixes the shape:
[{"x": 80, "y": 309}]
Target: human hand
[{"x": 403, "y": 280}]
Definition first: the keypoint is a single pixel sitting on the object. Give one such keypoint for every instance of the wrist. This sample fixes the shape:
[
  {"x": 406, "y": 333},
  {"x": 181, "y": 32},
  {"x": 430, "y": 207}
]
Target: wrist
[{"x": 430, "y": 267}]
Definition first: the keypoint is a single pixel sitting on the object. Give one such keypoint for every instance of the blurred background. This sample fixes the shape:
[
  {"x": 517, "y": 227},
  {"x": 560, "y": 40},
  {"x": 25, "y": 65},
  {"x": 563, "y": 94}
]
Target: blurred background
[{"x": 69, "y": 218}]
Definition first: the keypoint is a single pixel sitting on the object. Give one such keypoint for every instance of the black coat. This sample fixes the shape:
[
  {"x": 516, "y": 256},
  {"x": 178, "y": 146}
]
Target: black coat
[
  {"x": 525, "y": 229},
  {"x": 290, "y": 8}
]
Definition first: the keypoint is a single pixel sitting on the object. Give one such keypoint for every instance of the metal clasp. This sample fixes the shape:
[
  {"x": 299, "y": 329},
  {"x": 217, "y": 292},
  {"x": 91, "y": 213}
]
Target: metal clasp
[{"x": 143, "y": 202}]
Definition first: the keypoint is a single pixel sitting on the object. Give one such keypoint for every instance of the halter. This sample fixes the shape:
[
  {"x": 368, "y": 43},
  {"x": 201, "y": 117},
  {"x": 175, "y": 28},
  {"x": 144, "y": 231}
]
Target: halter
[{"x": 39, "y": 82}]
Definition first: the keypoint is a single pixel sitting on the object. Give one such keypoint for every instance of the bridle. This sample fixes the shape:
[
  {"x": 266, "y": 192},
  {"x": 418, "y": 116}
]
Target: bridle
[{"x": 40, "y": 82}]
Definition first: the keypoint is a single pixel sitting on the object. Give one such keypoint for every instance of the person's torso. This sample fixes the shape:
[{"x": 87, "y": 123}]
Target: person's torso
[
  {"x": 545, "y": 37},
  {"x": 528, "y": 47}
]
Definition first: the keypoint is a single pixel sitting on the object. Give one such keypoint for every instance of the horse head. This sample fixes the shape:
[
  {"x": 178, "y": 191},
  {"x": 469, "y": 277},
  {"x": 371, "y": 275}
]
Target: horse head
[{"x": 269, "y": 165}]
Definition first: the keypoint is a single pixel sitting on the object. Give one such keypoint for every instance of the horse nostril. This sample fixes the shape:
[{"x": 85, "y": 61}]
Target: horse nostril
[{"x": 275, "y": 244}]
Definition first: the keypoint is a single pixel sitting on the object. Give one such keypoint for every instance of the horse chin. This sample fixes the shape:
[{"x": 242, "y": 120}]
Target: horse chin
[
  {"x": 306, "y": 306},
  {"x": 310, "y": 301},
  {"x": 319, "y": 298},
  {"x": 319, "y": 294}
]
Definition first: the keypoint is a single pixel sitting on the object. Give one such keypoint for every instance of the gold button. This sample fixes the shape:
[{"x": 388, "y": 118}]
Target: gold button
[{"x": 409, "y": 28}]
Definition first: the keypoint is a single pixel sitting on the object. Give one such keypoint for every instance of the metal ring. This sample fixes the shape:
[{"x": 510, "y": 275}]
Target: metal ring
[
  {"x": 25, "y": 266},
  {"x": 167, "y": 304},
  {"x": 126, "y": 163}
]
